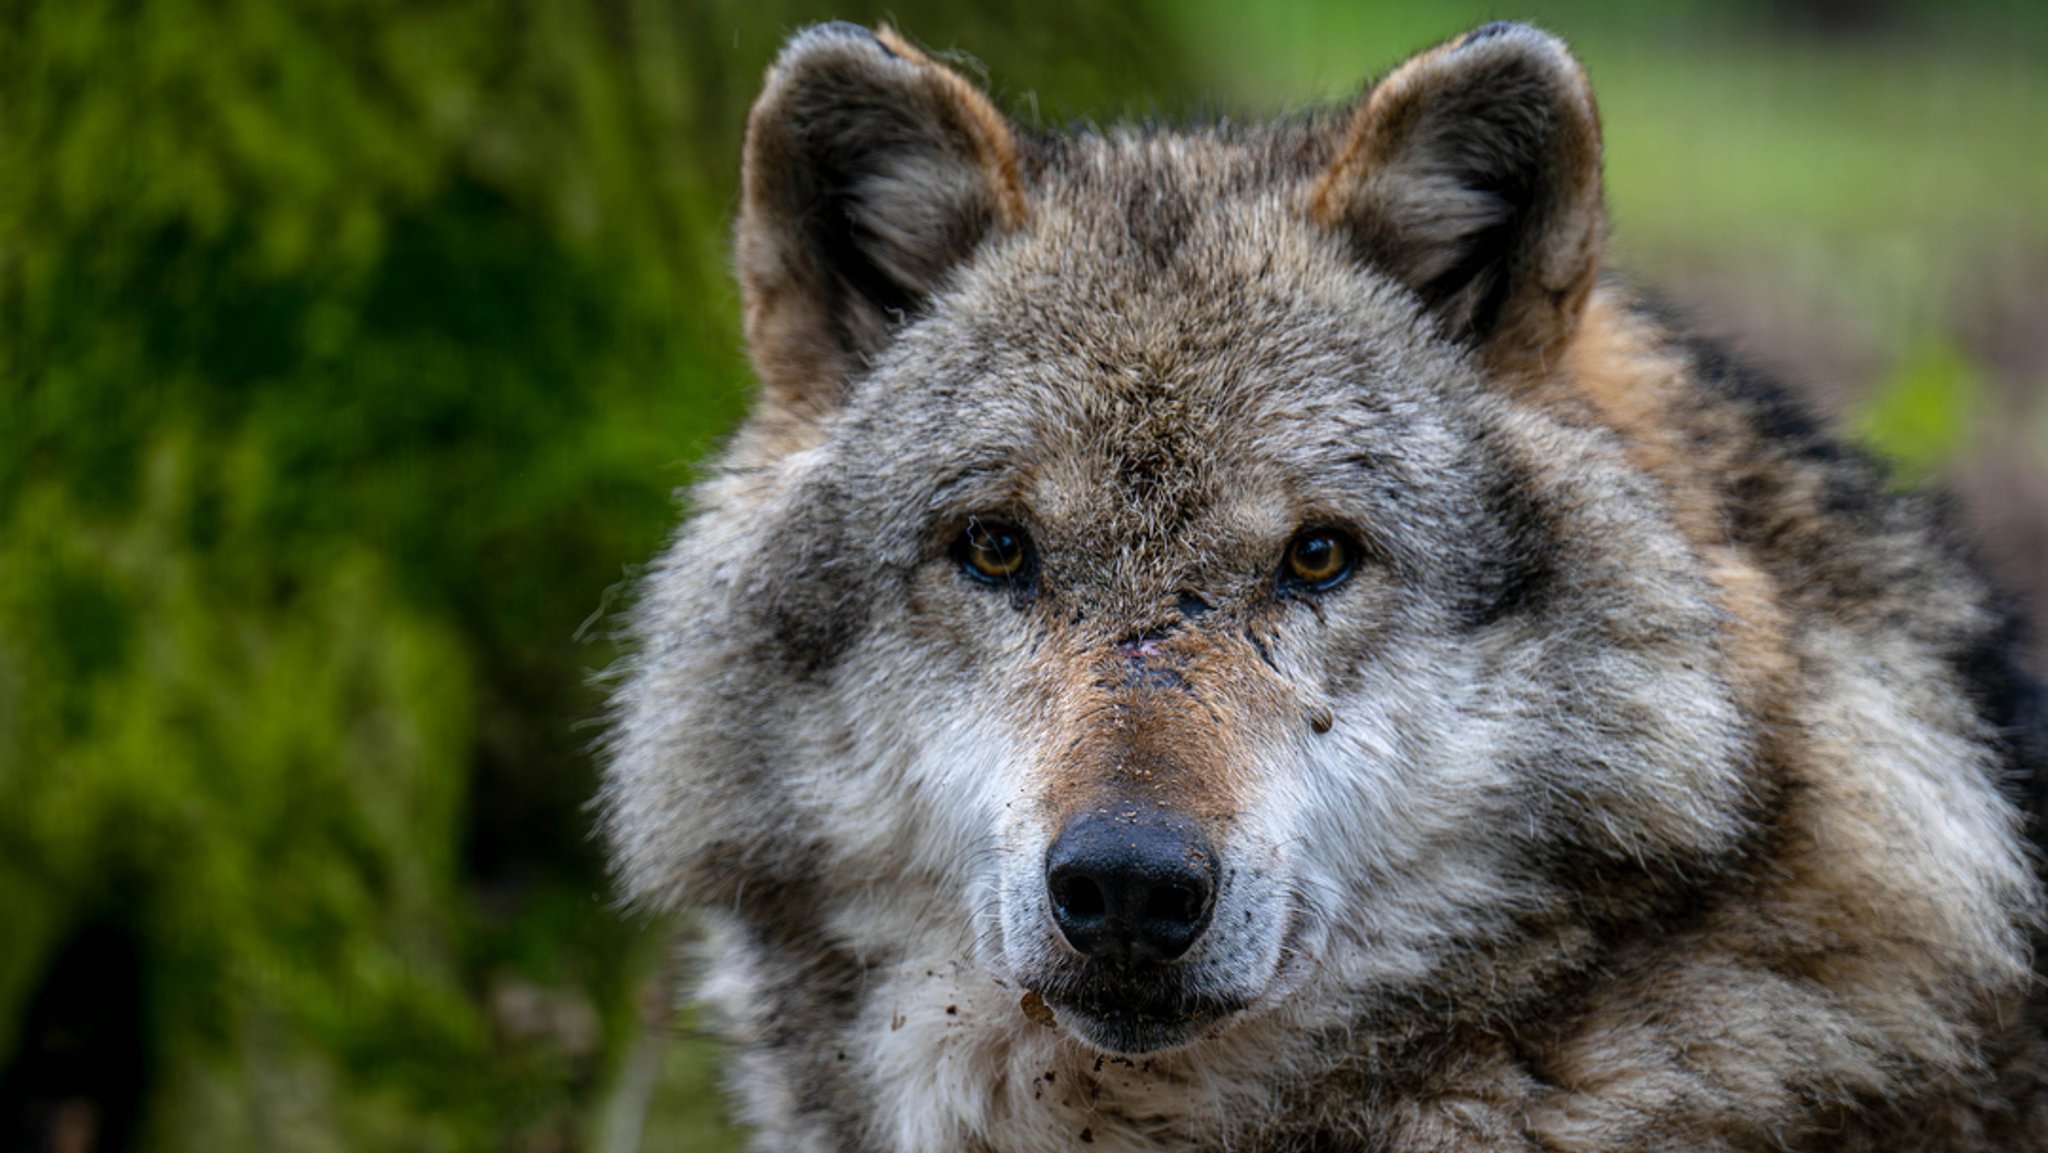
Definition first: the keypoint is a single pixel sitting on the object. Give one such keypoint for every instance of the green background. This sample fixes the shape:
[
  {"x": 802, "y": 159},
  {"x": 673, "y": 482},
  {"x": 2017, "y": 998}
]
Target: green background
[{"x": 350, "y": 351}]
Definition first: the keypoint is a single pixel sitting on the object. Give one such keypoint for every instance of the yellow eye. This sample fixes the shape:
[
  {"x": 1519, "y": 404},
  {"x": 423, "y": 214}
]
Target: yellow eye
[
  {"x": 1318, "y": 557},
  {"x": 993, "y": 551}
]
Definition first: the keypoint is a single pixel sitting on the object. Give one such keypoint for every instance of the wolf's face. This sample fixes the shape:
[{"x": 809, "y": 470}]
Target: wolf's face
[
  {"x": 1160, "y": 548},
  {"x": 1145, "y": 578}
]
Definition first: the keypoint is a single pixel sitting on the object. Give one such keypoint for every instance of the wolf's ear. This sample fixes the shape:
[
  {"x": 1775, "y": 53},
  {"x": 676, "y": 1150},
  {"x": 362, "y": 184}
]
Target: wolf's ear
[
  {"x": 1472, "y": 175},
  {"x": 870, "y": 172}
]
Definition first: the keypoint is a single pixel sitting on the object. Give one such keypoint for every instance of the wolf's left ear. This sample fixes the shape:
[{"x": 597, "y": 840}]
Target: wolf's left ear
[
  {"x": 870, "y": 173},
  {"x": 1472, "y": 175}
]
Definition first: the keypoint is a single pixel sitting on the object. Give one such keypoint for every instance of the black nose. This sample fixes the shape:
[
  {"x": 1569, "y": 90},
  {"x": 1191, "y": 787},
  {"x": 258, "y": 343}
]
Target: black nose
[{"x": 1130, "y": 883}]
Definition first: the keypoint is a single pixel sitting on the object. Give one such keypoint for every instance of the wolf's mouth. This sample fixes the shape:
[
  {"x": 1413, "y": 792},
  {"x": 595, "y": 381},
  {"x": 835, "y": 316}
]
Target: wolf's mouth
[{"x": 1135, "y": 1011}]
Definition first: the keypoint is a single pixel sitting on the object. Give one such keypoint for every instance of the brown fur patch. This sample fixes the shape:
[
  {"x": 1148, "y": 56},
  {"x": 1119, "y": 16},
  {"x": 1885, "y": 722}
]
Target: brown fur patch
[{"x": 1162, "y": 723}]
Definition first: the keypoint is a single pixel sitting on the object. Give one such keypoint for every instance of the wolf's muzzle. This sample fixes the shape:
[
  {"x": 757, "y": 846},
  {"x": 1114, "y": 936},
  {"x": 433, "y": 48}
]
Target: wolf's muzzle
[{"x": 1131, "y": 883}]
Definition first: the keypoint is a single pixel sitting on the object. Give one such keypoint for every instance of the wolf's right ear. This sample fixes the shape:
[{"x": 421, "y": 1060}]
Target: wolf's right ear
[
  {"x": 1472, "y": 174},
  {"x": 870, "y": 172}
]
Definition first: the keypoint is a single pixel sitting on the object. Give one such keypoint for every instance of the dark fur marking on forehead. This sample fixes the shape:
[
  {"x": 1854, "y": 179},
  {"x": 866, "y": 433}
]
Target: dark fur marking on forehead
[
  {"x": 1157, "y": 220},
  {"x": 1157, "y": 445}
]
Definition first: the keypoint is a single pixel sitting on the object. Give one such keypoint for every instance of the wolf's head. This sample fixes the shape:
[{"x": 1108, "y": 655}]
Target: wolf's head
[{"x": 1144, "y": 575}]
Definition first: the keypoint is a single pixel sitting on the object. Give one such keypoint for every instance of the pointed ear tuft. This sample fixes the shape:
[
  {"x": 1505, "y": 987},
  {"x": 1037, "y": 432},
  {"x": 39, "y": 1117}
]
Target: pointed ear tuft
[
  {"x": 1472, "y": 175},
  {"x": 870, "y": 173}
]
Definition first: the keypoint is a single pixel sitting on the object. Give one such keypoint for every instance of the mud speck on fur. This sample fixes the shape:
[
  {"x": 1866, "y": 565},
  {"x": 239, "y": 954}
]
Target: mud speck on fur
[{"x": 1655, "y": 776}]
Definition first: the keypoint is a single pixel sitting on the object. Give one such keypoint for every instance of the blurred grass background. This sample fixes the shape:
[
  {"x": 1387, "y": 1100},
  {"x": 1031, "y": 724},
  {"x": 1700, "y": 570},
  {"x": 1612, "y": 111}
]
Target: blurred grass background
[{"x": 350, "y": 349}]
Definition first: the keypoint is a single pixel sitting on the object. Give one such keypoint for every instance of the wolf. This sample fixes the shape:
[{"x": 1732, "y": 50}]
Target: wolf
[{"x": 1247, "y": 637}]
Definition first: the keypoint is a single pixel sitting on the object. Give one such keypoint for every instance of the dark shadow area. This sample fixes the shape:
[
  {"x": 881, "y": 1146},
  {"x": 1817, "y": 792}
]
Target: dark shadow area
[{"x": 81, "y": 1072}]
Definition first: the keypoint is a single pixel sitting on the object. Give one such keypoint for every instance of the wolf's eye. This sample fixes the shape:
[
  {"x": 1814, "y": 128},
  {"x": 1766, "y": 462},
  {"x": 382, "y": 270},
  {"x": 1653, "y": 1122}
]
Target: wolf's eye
[
  {"x": 993, "y": 551},
  {"x": 1318, "y": 558}
]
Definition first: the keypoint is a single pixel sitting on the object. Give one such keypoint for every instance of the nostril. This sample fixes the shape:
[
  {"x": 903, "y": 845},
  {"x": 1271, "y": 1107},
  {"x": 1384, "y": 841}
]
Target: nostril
[
  {"x": 1079, "y": 898},
  {"x": 1175, "y": 903}
]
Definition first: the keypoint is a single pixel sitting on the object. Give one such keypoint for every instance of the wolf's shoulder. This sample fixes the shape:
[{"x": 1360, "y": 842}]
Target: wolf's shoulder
[{"x": 1846, "y": 540}]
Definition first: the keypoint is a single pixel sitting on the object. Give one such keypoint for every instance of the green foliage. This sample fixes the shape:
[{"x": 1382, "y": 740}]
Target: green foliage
[
  {"x": 347, "y": 366},
  {"x": 1923, "y": 415}
]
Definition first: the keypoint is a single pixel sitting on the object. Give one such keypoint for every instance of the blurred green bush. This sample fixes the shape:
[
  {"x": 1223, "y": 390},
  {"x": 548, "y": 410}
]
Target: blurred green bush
[{"x": 348, "y": 352}]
